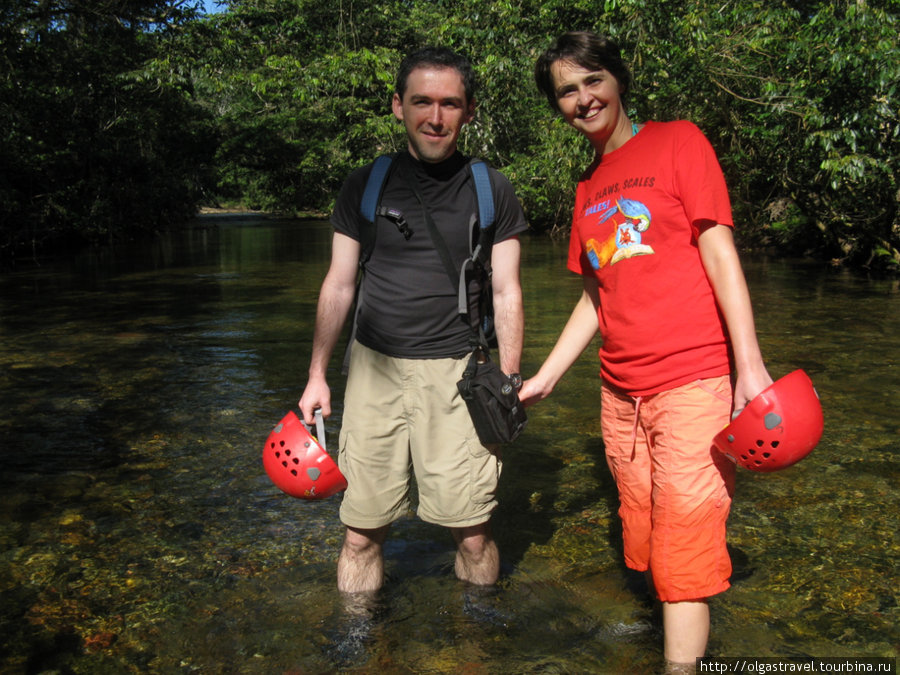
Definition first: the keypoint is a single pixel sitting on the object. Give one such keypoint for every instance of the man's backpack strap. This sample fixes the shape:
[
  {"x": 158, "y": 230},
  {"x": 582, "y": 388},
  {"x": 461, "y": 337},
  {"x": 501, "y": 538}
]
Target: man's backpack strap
[
  {"x": 483, "y": 192},
  {"x": 375, "y": 186},
  {"x": 368, "y": 208},
  {"x": 484, "y": 242},
  {"x": 481, "y": 254},
  {"x": 368, "y": 205}
]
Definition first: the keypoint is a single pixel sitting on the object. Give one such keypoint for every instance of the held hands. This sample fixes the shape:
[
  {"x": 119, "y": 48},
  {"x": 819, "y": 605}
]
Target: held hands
[
  {"x": 749, "y": 384},
  {"x": 532, "y": 391}
]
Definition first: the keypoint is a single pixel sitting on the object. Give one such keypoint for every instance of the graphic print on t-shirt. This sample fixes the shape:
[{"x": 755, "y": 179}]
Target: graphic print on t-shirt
[{"x": 621, "y": 226}]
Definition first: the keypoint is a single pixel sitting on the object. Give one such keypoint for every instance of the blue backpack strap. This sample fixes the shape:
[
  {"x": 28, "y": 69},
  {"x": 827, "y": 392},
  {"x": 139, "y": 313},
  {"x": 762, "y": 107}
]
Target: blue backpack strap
[
  {"x": 374, "y": 186},
  {"x": 481, "y": 255},
  {"x": 484, "y": 193},
  {"x": 368, "y": 206}
]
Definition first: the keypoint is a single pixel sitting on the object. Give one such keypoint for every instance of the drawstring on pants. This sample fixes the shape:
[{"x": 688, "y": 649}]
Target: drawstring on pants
[
  {"x": 637, "y": 410},
  {"x": 637, "y": 413}
]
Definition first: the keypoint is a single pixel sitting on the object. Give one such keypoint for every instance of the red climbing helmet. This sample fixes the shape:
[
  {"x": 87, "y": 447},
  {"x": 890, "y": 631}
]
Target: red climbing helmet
[
  {"x": 298, "y": 464},
  {"x": 778, "y": 428}
]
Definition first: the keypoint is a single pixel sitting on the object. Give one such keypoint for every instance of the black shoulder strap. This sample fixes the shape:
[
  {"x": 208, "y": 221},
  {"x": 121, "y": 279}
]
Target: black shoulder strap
[
  {"x": 479, "y": 260},
  {"x": 439, "y": 244}
]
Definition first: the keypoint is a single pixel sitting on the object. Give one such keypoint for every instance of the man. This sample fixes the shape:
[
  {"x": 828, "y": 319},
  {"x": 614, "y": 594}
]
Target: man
[{"x": 402, "y": 406}]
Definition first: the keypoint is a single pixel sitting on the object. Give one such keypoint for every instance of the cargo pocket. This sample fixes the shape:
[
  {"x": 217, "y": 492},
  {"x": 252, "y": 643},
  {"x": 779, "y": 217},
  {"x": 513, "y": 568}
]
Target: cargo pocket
[{"x": 484, "y": 471}]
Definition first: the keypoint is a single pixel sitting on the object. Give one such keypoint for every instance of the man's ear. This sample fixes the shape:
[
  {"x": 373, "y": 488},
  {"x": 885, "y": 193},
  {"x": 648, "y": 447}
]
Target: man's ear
[
  {"x": 470, "y": 112},
  {"x": 397, "y": 107}
]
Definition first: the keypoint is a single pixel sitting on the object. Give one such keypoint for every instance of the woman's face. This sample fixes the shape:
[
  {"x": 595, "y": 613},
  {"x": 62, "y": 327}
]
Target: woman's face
[{"x": 590, "y": 101}]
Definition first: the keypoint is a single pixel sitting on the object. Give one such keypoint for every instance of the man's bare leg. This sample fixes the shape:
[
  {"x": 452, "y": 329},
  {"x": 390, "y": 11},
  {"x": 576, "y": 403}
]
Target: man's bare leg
[
  {"x": 360, "y": 566},
  {"x": 477, "y": 557}
]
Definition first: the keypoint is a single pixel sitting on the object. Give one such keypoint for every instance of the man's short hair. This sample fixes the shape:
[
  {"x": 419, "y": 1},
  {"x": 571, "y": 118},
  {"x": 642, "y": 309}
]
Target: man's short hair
[
  {"x": 585, "y": 49},
  {"x": 436, "y": 57}
]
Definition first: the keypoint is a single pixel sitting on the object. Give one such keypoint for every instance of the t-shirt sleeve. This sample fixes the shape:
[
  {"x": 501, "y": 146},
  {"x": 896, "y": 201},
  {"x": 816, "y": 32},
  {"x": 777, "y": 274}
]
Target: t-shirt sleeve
[
  {"x": 509, "y": 216},
  {"x": 345, "y": 218},
  {"x": 577, "y": 261},
  {"x": 699, "y": 179}
]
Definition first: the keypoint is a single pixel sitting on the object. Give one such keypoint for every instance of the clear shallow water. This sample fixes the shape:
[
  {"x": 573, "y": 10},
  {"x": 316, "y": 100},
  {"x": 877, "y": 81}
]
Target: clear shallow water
[{"x": 139, "y": 533}]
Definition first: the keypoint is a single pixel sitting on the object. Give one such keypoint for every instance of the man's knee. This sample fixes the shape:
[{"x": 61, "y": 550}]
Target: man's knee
[
  {"x": 475, "y": 541},
  {"x": 362, "y": 542},
  {"x": 477, "y": 558}
]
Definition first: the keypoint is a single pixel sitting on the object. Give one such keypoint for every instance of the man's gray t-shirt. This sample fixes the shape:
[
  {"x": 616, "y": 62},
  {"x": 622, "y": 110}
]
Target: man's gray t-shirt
[{"x": 410, "y": 306}]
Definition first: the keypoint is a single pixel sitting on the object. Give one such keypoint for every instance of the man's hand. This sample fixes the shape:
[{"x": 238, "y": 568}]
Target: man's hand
[{"x": 316, "y": 395}]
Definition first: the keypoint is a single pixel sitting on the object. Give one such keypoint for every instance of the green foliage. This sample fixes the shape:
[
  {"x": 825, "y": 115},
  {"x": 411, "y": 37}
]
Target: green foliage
[
  {"x": 302, "y": 93},
  {"x": 802, "y": 106},
  {"x": 93, "y": 147},
  {"x": 135, "y": 114}
]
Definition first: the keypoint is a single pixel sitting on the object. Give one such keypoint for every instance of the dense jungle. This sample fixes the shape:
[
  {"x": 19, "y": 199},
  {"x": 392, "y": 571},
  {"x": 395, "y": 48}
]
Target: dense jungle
[{"x": 123, "y": 118}]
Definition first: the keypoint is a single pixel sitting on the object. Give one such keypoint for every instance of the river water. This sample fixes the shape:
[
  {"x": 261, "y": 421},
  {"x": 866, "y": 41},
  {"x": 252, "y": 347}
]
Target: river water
[{"x": 140, "y": 534}]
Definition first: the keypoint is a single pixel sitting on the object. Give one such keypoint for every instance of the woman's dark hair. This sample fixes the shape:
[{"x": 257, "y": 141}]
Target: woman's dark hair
[
  {"x": 436, "y": 57},
  {"x": 584, "y": 49}
]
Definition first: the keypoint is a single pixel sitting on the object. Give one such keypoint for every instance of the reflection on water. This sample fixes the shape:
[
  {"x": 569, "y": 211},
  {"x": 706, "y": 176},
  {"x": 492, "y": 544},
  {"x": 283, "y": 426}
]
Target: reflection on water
[{"x": 140, "y": 534}]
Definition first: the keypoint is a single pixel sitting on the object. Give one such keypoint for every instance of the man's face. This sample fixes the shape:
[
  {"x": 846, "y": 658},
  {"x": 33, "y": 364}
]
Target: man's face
[{"x": 433, "y": 110}]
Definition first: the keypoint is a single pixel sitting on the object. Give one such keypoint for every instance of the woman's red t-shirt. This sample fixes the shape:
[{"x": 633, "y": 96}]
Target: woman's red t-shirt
[{"x": 638, "y": 212}]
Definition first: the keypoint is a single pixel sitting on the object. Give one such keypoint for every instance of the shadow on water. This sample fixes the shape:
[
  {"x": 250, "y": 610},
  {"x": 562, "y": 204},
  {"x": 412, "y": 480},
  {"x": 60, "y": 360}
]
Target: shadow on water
[{"x": 139, "y": 533}]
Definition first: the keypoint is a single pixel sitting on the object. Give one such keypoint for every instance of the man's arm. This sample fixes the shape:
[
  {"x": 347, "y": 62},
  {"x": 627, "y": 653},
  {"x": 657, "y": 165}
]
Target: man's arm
[
  {"x": 723, "y": 268},
  {"x": 335, "y": 300},
  {"x": 509, "y": 317}
]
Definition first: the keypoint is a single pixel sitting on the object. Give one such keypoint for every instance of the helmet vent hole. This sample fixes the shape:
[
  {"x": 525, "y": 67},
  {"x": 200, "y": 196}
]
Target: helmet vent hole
[
  {"x": 759, "y": 443},
  {"x": 281, "y": 443},
  {"x": 296, "y": 461},
  {"x": 767, "y": 455},
  {"x": 288, "y": 452},
  {"x": 277, "y": 454},
  {"x": 284, "y": 464},
  {"x": 293, "y": 472},
  {"x": 774, "y": 444},
  {"x": 752, "y": 451}
]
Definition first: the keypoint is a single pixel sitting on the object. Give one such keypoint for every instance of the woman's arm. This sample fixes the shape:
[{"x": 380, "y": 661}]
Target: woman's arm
[
  {"x": 580, "y": 329},
  {"x": 723, "y": 268}
]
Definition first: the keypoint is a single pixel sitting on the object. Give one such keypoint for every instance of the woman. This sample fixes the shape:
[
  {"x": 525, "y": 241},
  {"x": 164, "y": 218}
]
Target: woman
[{"x": 652, "y": 239}]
